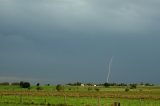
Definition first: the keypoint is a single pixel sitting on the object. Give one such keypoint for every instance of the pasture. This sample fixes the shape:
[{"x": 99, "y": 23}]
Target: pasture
[{"x": 79, "y": 96}]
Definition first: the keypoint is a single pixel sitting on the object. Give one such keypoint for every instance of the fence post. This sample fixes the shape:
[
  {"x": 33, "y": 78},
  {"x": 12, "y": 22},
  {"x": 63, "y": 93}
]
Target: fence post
[
  {"x": 140, "y": 102},
  {"x": 92, "y": 100},
  {"x": 65, "y": 99},
  {"x": 45, "y": 101},
  {"x": 21, "y": 99},
  {"x": 98, "y": 101}
]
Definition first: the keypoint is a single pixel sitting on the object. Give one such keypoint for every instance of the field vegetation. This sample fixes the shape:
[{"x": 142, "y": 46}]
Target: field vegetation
[{"x": 76, "y": 95}]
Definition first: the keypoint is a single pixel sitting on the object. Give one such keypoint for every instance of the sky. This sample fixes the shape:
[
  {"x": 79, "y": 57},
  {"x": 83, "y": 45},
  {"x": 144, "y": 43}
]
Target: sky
[{"x": 61, "y": 41}]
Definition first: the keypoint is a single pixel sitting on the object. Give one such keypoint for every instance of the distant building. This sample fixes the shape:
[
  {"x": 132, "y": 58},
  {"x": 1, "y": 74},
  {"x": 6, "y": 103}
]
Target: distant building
[{"x": 82, "y": 84}]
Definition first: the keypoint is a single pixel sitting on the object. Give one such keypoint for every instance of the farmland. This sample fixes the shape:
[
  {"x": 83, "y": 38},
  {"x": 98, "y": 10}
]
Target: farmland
[{"x": 80, "y": 96}]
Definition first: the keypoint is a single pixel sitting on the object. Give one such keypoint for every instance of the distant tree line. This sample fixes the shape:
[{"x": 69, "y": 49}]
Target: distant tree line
[
  {"x": 4, "y": 83},
  {"x": 21, "y": 84},
  {"x": 75, "y": 84},
  {"x": 110, "y": 84},
  {"x": 113, "y": 84},
  {"x": 15, "y": 83},
  {"x": 80, "y": 83},
  {"x": 7, "y": 83},
  {"x": 27, "y": 84}
]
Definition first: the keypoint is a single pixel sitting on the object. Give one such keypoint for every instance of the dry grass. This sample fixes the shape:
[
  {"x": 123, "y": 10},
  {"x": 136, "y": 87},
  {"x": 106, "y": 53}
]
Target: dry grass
[{"x": 110, "y": 94}]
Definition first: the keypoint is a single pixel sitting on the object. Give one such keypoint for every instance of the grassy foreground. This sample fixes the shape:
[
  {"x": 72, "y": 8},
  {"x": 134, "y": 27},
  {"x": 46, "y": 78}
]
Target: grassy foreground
[
  {"x": 79, "y": 96},
  {"x": 74, "y": 101}
]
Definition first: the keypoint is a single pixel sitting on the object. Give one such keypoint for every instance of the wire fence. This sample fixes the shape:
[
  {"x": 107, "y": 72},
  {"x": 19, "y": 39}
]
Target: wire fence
[{"x": 74, "y": 101}]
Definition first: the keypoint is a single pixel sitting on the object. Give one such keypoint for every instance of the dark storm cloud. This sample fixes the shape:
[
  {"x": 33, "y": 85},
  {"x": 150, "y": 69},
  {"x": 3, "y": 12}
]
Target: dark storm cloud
[
  {"x": 60, "y": 16},
  {"x": 74, "y": 40}
]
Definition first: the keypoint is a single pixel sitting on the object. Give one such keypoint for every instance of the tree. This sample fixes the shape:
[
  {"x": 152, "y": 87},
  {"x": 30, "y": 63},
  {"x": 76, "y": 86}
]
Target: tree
[
  {"x": 38, "y": 84},
  {"x": 106, "y": 84},
  {"x": 24, "y": 84}
]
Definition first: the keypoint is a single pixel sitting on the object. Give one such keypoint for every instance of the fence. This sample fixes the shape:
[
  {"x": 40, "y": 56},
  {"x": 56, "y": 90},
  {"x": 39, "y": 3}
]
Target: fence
[{"x": 74, "y": 101}]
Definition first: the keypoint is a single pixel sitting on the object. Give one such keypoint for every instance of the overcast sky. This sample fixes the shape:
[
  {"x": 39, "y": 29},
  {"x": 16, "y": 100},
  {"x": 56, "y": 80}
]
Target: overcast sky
[{"x": 61, "y": 41}]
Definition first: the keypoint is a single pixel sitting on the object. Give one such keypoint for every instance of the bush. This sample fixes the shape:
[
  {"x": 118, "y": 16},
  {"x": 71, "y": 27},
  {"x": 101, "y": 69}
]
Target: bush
[
  {"x": 106, "y": 84},
  {"x": 148, "y": 84},
  {"x": 24, "y": 84},
  {"x": 38, "y": 84},
  {"x": 48, "y": 104},
  {"x": 133, "y": 86},
  {"x": 127, "y": 89},
  {"x": 59, "y": 87},
  {"x": 97, "y": 89}
]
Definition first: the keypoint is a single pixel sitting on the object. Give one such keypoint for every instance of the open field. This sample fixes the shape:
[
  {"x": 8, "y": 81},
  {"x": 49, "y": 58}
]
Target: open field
[
  {"x": 75, "y": 101},
  {"x": 80, "y": 96}
]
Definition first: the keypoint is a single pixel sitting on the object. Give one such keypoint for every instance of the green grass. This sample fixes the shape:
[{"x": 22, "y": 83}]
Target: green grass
[
  {"x": 79, "y": 96},
  {"x": 81, "y": 101}
]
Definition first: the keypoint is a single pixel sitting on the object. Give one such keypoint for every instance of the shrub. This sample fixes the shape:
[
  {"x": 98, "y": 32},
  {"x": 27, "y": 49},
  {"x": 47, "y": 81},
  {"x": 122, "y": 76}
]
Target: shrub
[
  {"x": 148, "y": 84},
  {"x": 97, "y": 89},
  {"x": 106, "y": 84},
  {"x": 38, "y": 84},
  {"x": 127, "y": 89},
  {"x": 24, "y": 84},
  {"x": 133, "y": 86},
  {"x": 48, "y": 104},
  {"x": 59, "y": 87}
]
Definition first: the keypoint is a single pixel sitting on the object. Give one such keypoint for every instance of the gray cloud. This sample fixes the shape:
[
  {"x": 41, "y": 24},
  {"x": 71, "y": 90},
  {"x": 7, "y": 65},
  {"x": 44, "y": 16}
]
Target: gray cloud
[
  {"x": 44, "y": 39},
  {"x": 79, "y": 16}
]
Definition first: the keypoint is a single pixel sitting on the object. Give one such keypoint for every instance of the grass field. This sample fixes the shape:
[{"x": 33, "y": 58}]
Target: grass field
[{"x": 79, "y": 96}]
